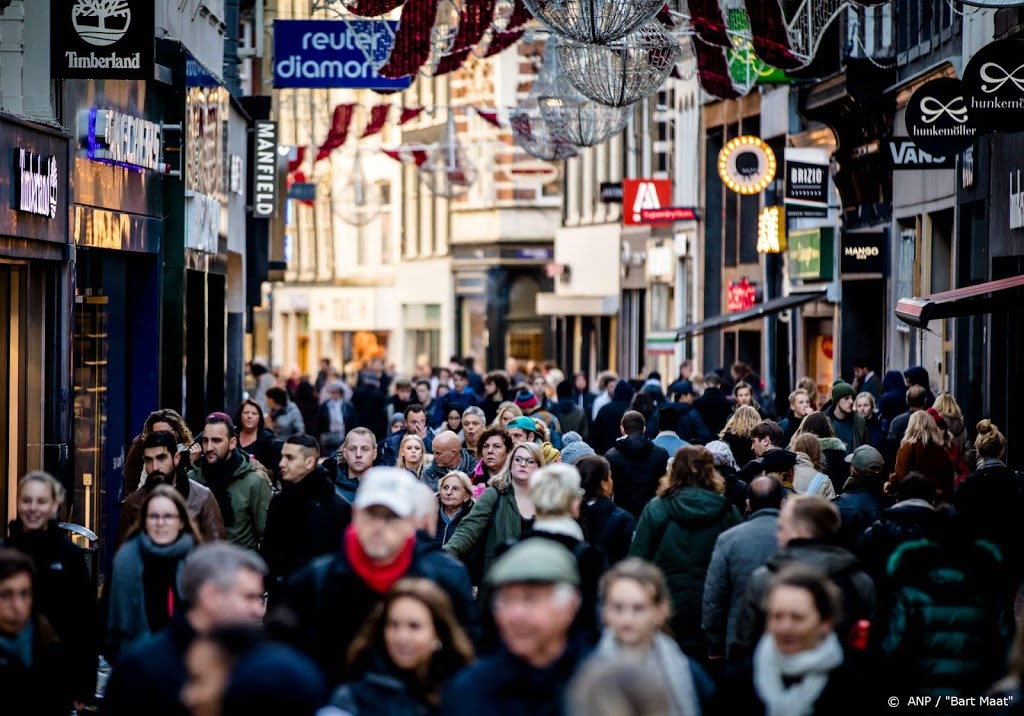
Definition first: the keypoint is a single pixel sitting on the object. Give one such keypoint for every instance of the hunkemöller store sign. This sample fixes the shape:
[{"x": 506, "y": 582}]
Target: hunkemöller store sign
[{"x": 102, "y": 39}]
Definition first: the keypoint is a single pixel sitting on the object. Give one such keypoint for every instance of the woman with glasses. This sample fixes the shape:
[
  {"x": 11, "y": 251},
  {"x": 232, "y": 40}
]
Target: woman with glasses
[
  {"x": 455, "y": 495},
  {"x": 145, "y": 584},
  {"x": 504, "y": 511}
]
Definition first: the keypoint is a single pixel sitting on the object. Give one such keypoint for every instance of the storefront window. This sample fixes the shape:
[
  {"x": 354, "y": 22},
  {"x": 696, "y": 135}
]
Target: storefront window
[{"x": 90, "y": 427}]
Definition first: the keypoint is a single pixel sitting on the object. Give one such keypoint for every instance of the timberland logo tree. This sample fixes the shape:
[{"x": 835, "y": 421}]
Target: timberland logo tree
[{"x": 101, "y": 22}]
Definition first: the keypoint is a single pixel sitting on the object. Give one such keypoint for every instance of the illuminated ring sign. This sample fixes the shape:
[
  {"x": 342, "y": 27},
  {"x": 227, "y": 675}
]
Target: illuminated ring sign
[{"x": 747, "y": 165}]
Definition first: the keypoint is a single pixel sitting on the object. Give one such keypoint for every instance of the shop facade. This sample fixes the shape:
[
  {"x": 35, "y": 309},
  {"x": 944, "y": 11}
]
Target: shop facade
[{"x": 35, "y": 297}]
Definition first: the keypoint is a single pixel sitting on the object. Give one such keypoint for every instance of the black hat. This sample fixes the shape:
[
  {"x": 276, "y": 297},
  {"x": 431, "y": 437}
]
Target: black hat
[{"x": 778, "y": 461}]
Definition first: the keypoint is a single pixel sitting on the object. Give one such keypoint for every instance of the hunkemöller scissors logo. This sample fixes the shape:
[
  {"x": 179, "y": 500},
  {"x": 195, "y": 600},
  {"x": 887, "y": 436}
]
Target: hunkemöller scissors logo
[
  {"x": 997, "y": 81},
  {"x": 932, "y": 109}
]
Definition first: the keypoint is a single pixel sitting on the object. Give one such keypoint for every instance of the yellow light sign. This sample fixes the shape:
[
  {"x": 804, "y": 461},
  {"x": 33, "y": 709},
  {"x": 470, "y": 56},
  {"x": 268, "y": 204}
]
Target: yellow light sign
[
  {"x": 747, "y": 165},
  {"x": 771, "y": 230}
]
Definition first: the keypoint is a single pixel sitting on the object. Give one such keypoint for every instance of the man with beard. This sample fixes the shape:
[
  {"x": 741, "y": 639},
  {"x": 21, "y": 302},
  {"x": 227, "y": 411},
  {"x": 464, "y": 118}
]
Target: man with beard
[
  {"x": 161, "y": 460},
  {"x": 242, "y": 493}
]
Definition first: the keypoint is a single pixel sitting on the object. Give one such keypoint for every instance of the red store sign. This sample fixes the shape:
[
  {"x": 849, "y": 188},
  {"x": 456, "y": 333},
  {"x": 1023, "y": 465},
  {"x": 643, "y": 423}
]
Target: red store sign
[{"x": 740, "y": 296}]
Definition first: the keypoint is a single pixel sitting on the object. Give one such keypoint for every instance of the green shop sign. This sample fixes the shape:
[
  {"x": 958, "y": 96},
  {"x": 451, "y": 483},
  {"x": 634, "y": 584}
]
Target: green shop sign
[{"x": 811, "y": 254}]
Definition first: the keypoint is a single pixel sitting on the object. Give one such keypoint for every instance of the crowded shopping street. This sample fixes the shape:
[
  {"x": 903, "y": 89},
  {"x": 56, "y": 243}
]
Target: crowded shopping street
[{"x": 511, "y": 357}]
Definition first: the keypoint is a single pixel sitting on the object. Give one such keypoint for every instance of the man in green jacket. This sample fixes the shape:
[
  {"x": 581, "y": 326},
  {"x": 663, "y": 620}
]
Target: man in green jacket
[{"x": 242, "y": 492}]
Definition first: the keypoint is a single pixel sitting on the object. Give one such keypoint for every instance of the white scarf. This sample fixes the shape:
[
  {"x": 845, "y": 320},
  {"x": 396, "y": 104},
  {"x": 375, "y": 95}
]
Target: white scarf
[
  {"x": 666, "y": 659},
  {"x": 811, "y": 667},
  {"x": 565, "y": 526}
]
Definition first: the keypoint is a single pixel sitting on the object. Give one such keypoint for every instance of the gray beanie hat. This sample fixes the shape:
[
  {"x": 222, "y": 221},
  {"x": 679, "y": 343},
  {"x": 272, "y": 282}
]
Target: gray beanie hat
[{"x": 573, "y": 448}]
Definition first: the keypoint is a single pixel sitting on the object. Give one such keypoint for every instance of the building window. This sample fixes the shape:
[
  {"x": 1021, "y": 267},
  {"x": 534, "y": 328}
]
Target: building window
[{"x": 386, "y": 239}]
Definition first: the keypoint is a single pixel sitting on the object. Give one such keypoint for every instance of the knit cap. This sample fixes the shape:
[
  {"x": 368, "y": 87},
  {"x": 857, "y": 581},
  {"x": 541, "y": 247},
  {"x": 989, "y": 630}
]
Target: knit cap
[
  {"x": 574, "y": 449},
  {"x": 722, "y": 453},
  {"x": 551, "y": 455},
  {"x": 841, "y": 390},
  {"x": 526, "y": 400}
]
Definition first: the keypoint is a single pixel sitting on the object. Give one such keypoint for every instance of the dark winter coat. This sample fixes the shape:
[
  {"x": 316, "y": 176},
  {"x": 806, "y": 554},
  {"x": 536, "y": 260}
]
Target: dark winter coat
[
  {"x": 790, "y": 424},
  {"x": 834, "y": 452},
  {"x": 381, "y": 692},
  {"x": 504, "y": 685},
  {"x": 605, "y": 429},
  {"x": 845, "y": 693},
  {"x": 572, "y": 418},
  {"x": 329, "y": 442},
  {"x": 990, "y": 506},
  {"x": 872, "y": 385},
  {"x": 327, "y": 603},
  {"x": 637, "y": 466},
  {"x": 839, "y": 564},
  {"x": 678, "y": 532},
  {"x": 852, "y": 430},
  {"x": 894, "y": 397},
  {"x": 861, "y": 503},
  {"x": 249, "y": 494},
  {"x": 432, "y": 473},
  {"x": 585, "y": 400},
  {"x": 305, "y": 520},
  {"x": 948, "y": 624},
  {"x": 609, "y": 527},
  {"x": 370, "y": 407},
  {"x": 446, "y": 530},
  {"x": 387, "y": 449},
  {"x": 876, "y": 433},
  {"x": 64, "y": 593},
  {"x": 715, "y": 408},
  {"x": 266, "y": 449},
  {"x": 690, "y": 426},
  {"x": 43, "y": 689},
  {"x": 148, "y": 676},
  {"x": 741, "y": 446},
  {"x": 442, "y": 405},
  {"x": 903, "y": 522},
  {"x": 736, "y": 490}
]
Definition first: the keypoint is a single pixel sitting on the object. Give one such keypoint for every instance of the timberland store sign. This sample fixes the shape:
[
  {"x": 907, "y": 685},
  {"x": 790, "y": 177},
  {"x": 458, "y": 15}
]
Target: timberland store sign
[{"x": 102, "y": 39}]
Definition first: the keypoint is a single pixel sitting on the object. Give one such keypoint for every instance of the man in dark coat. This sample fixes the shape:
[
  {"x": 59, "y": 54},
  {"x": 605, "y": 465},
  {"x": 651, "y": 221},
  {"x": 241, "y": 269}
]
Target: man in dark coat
[
  {"x": 449, "y": 456},
  {"x": 336, "y": 419},
  {"x": 863, "y": 499},
  {"x": 605, "y": 429},
  {"x": 917, "y": 399},
  {"x": 308, "y": 517},
  {"x": 223, "y": 586},
  {"x": 637, "y": 465},
  {"x": 535, "y": 587},
  {"x": 415, "y": 423},
  {"x": 571, "y": 417},
  {"x": 865, "y": 380},
  {"x": 690, "y": 424},
  {"x": 847, "y": 424},
  {"x": 370, "y": 403},
  {"x": 913, "y": 517},
  {"x": 329, "y": 600},
  {"x": 713, "y": 405},
  {"x": 581, "y": 394}
]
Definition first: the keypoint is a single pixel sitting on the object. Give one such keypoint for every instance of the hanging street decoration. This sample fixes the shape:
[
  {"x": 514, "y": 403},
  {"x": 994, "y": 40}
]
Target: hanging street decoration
[
  {"x": 340, "y": 123},
  {"x": 993, "y": 86},
  {"x": 937, "y": 117},
  {"x": 447, "y": 172},
  {"x": 378, "y": 116},
  {"x": 300, "y": 156},
  {"x": 409, "y": 114},
  {"x": 770, "y": 34},
  {"x": 404, "y": 155},
  {"x": 747, "y": 165},
  {"x": 596, "y": 22},
  {"x": 709, "y": 22},
  {"x": 412, "y": 39},
  {"x": 371, "y": 8},
  {"x": 489, "y": 117},
  {"x": 360, "y": 201}
]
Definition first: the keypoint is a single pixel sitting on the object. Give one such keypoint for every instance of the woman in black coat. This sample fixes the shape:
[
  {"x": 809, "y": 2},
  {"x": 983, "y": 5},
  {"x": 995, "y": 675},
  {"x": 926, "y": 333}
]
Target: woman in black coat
[
  {"x": 64, "y": 592},
  {"x": 256, "y": 440},
  {"x": 455, "y": 497},
  {"x": 605, "y": 525}
]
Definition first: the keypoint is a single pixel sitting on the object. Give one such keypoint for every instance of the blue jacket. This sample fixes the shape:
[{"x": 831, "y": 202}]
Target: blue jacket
[
  {"x": 464, "y": 399},
  {"x": 387, "y": 449}
]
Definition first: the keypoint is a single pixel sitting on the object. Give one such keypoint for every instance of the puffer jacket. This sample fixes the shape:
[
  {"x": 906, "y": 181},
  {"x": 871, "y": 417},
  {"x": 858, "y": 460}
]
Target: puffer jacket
[
  {"x": 903, "y": 522},
  {"x": 493, "y": 521},
  {"x": 572, "y": 418},
  {"x": 637, "y": 466},
  {"x": 609, "y": 527},
  {"x": 839, "y": 564},
  {"x": 948, "y": 625},
  {"x": 678, "y": 532}
]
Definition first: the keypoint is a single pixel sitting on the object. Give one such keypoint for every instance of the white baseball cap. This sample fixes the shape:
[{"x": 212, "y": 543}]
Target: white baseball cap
[{"x": 390, "y": 487}]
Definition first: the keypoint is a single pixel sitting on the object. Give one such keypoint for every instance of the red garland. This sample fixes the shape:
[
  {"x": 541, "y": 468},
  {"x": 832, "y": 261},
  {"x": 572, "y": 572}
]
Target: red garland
[
  {"x": 419, "y": 156},
  {"x": 501, "y": 41},
  {"x": 489, "y": 116},
  {"x": 474, "y": 20},
  {"x": 372, "y": 8},
  {"x": 300, "y": 156},
  {"x": 378, "y": 116},
  {"x": 520, "y": 16},
  {"x": 451, "y": 62},
  {"x": 412, "y": 39},
  {"x": 713, "y": 70},
  {"x": 770, "y": 36},
  {"x": 409, "y": 114},
  {"x": 707, "y": 19},
  {"x": 340, "y": 123}
]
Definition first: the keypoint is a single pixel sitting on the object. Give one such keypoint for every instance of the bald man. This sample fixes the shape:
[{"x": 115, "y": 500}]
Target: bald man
[
  {"x": 449, "y": 456},
  {"x": 738, "y": 552}
]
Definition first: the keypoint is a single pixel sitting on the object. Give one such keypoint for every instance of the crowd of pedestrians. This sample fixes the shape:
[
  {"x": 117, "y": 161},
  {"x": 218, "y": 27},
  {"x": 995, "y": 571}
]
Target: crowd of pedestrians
[{"x": 513, "y": 543}]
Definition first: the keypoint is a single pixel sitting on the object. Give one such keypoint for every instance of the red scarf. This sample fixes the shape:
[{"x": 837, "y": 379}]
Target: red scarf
[{"x": 378, "y": 577}]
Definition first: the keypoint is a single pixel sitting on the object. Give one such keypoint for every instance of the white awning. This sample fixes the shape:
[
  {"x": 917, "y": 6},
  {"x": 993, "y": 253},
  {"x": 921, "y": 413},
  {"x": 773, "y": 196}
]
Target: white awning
[{"x": 550, "y": 304}]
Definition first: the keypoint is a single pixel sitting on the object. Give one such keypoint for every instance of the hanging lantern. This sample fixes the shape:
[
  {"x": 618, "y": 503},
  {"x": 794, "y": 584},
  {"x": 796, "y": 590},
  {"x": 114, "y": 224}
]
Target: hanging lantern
[
  {"x": 360, "y": 201},
  {"x": 578, "y": 120},
  {"x": 529, "y": 130},
  {"x": 447, "y": 171},
  {"x": 624, "y": 71},
  {"x": 594, "y": 21}
]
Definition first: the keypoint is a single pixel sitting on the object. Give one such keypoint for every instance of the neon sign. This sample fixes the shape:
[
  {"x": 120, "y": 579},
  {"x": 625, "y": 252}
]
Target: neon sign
[{"x": 122, "y": 140}]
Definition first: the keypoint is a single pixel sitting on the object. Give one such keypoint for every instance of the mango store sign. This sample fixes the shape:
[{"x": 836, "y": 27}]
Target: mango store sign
[{"x": 334, "y": 54}]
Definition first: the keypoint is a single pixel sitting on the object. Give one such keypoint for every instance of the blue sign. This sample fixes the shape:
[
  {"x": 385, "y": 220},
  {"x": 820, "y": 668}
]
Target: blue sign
[
  {"x": 302, "y": 191},
  {"x": 334, "y": 54}
]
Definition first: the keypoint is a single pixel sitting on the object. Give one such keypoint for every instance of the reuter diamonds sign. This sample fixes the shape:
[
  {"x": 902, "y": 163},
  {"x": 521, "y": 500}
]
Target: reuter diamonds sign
[{"x": 102, "y": 39}]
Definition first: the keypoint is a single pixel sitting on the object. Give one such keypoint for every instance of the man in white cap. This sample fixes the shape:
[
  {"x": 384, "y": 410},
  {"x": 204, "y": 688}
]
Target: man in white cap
[
  {"x": 535, "y": 597},
  {"x": 328, "y": 601}
]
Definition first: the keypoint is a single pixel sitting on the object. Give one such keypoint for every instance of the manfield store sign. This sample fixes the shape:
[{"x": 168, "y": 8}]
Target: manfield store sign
[{"x": 102, "y": 39}]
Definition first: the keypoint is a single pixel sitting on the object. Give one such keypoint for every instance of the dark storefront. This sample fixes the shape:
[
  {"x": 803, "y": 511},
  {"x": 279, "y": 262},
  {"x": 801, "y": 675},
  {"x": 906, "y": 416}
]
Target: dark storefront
[{"x": 35, "y": 375}]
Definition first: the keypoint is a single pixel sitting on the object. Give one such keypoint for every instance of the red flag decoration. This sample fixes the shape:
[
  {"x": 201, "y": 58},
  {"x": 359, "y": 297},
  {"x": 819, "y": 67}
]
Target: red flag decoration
[
  {"x": 340, "y": 123},
  {"x": 708, "y": 21},
  {"x": 501, "y": 41},
  {"x": 419, "y": 156},
  {"x": 372, "y": 8},
  {"x": 409, "y": 114},
  {"x": 474, "y": 20},
  {"x": 451, "y": 62},
  {"x": 412, "y": 39},
  {"x": 771, "y": 36},
  {"x": 378, "y": 116},
  {"x": 489, "y": 116},
  {"x": 713, "y": 70},
  {"x": 300, "y": 156}
]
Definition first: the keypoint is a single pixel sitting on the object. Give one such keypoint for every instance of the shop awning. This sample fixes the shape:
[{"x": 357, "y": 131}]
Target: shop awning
[
  {"x": 966, "y": 301},
  {"x": 761, "y": 310}
]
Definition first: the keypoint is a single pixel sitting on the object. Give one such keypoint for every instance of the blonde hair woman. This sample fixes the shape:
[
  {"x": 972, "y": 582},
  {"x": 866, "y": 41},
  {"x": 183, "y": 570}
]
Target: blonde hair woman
[
  {"x": 498, "y": 515},
  {"x": 507, "y": 412},
  {"x": 924, "y": 450},
  {"x": 949, "y": 409},
  {"x": 412, "y": 455},
  {"x": 736, "y": 433}
]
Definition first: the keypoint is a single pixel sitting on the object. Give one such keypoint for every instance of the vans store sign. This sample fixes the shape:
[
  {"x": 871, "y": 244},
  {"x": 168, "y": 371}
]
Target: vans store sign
[{"x": 102, "y": 39}]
